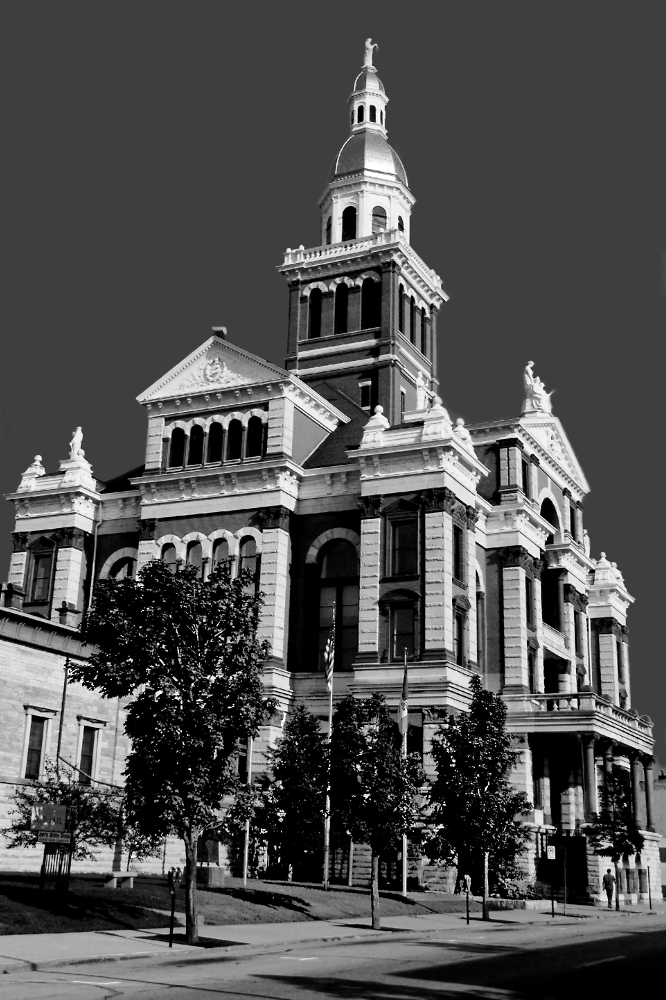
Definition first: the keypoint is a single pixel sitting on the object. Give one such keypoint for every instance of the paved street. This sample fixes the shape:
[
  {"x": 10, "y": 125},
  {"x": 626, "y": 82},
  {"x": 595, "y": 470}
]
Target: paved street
[{"x": 609, "y": 957}]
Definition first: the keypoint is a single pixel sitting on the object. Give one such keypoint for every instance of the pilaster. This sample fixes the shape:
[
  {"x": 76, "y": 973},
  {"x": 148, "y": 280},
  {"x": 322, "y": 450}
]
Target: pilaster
[
  {"x": 70, "y": 566},
  {"x": 438, "y": 573},
  {"x": 274, "y": 583},
  {"x": 538, "y": 621},
  {"x": 470, "y": 559},
  {"x": 280, "y": 427},
  {"x": 154, "y": 443},
  {"x": 370, "y": 568}
]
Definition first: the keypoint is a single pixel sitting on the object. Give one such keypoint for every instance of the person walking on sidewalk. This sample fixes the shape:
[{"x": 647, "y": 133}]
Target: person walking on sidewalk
[{"x": 609, "y": 882}]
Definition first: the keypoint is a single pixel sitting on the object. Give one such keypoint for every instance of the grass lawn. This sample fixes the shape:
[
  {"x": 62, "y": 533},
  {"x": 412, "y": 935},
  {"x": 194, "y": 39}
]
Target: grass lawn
[{"x": 88, "y": 906}]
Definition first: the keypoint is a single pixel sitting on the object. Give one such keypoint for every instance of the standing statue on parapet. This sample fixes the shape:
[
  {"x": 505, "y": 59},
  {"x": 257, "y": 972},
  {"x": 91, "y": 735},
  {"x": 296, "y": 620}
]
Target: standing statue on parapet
[
  {"x": 369, "y": 48},
  {"x": 536, "y": 397},
  {"x": 76, "y": 452},
  {"x": 421, "y": 392}
]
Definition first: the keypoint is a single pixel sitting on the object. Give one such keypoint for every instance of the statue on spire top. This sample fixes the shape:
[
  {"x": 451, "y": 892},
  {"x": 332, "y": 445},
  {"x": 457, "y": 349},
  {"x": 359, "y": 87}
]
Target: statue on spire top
[{"x": 369, "y": 47}]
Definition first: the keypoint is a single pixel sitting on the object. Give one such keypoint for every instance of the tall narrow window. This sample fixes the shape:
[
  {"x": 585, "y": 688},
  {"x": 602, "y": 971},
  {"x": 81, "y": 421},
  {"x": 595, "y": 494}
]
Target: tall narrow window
[
  {"x": 401, "y": 309},
  {"x": 249, "y": 560},
  {"x": 412, "y": 319},
  {"x": 341, "y": 305},
  {"x": 215, "y": 436},
  {"x": 195, "y": 556},
  {"x": 404, "y": 547},
  {"x": 255, "y": 437},
  {"x": 549, "y": 514},
  {"x": 573, "y": 522},
  {"x": 381, "y": 117},
  {"x": 458, "y": 554},
  {"x": 220, "y": 552},
  {"x": 169, "y": 556},
  {"x": 349, "y": 223},
  {"x": 42, "y": 565},
  {"x": 195, "y": 452},
  {"x": 378, "y": 219},
  {"x": 361, "y": 113},
  {"x": 371, "y": 292},
  {"x": 529, "y": 600},
  {"x": 177, "y": 448},
  {"x": 338, "y": 594},
  {"x": 525, "y": 468},
  {"x": 403, "y": 397},
  {"x": 401, "y": 224},
  {"x": 314, "y": 313},
  {"x": 402, "y": 621},
  {"x": 373, "y": 113},
  {"x": 87, "y": 755},
  {"x": 365, "y": 392},
  {"x": 33, "y": 761},
  {"x": 423, "y": 332},
  {"x": 620, "y": 662},
  {"x": 328, "y": 231},
  {"x": 234, "y": 440},
  {"x": 459, "y": 637},
  {"x": 531, "y": 670}
]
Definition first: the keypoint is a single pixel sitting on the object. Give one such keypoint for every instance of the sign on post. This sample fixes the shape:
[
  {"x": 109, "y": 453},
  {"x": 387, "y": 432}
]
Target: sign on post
[
  {"x": 550, "y": 852},
  {"x": 49, "y": 816},
  {"x": 49, "y": 837}
]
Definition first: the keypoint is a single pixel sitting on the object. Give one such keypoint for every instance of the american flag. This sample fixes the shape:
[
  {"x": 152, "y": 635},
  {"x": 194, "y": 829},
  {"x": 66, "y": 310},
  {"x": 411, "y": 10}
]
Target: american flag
[{"x": 329, "y": 655}]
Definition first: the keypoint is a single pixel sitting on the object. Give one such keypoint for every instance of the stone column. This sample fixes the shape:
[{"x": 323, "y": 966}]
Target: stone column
[
  {"x": 280, "y": 426},
  {"x": 19, "y": 559},
  {"x": 370, "y": 571},
  {"x": 649, "y": 805},
  {"x": 515, "y": 562},
  {"x": 539, "y": 568},
  {"x": 590, "y": 777},
  {"x": 438, "y": 596},
  {"x": 274, "y": 580},
  {"x": 69, "y": 573},
  {"x": 470, "y": 559},
  {"x": 636, "y": 769}
]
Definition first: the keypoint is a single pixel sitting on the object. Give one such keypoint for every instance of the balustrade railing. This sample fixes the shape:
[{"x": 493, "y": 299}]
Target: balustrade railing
[
  {"x": 557, "y": 638},
  {"x": 589, "y": 701}
]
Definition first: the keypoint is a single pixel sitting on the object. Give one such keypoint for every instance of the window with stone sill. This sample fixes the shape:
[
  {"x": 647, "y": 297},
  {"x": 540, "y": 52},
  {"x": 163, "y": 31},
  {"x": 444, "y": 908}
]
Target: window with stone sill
[
  {"x": 87, "y": 756},
  {"x": 402, "y": 631},
  {"x": 170, "y": 556},
  {"x": 36, "y": 742},
  {"x": 250, "y": 560},
  {"x": 525, "y": 469},
  {"x": 529, "y": 601},
  {"x": 403, "y": 546},
  {"x": 459, "y": 555},
  {"x": 459, "y": 637},
  {"x": 338, "y": 599},
  {"x": 41, "y": 575},
  {"x": 177, "y": 448}
]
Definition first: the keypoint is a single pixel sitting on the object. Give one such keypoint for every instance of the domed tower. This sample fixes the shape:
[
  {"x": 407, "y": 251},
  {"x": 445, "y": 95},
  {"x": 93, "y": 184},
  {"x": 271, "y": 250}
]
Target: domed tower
[{"x": 363, "y": 305}]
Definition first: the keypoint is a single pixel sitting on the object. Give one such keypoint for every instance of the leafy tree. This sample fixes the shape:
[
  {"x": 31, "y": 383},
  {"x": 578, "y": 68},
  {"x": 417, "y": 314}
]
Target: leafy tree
[
  {"x": 473, "y": 805},
  {"x": 93, "y": 813},
  {"x": 613, "y": 833},
  {"x": 186, "y": 651},
  {"x": 374, "y": 788},
  {"x": 297, "y": 799}
]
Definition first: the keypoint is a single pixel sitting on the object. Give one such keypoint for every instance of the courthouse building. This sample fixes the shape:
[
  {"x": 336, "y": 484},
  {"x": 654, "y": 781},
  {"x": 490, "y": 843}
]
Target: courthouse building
[{"x": 342, "y": 482}]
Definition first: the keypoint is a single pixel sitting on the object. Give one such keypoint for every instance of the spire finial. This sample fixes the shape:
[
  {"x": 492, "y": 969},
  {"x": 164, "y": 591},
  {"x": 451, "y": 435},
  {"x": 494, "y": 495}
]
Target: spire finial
[{"x": 367, "y": 55}]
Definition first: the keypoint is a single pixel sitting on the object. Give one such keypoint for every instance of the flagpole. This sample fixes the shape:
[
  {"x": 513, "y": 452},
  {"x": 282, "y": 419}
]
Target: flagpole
[
  {"x": 404, "y": 753},
  {"x": 246, "y": 845}
]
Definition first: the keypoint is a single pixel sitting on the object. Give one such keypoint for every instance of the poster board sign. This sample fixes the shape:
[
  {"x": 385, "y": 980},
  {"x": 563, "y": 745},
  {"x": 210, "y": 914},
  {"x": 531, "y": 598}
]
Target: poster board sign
[
  {"x": 550, "y": 852},
  {"x": 48, "y": 837},
  {"x": 49, "y": 816}
]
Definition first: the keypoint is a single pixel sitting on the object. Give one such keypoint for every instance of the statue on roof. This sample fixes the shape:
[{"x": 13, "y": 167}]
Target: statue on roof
[
  {"x": 367, "y": 56},
  {"x": 536, "y": 397},
  {"x": 421, "y": 392},
  {"x": 76, "y": 452}
]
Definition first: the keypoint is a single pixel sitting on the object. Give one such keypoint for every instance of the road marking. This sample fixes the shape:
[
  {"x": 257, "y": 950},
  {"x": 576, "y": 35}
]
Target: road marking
[
  {"x": 600, "y": 961},
  {"x": 297, "y": 958},
  {"x": 89, "y": 982}
]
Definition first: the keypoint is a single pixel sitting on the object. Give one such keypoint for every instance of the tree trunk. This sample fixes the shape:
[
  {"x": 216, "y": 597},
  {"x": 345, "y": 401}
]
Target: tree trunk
[
  {"x": 374, "y": 893},
  {"x": 486, "y": 912},
  {"x": 350, "y": 863},
  {"x": 191, "y": 926},
  {"x": 617, "y": 887}
]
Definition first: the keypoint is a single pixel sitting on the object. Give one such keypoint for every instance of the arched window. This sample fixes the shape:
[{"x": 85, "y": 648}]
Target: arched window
[
  {"x": 378, "y": 219},
  {"x": 328, "y": 231},
  {"x": 371, "y": 292},
  {"x": 401, "y": 309},
  {"x": 341, "y": 303},
  {"x": 250, "y": 561},
  {"x": 169, "y": 556},
  {"x": 177, "y": 448},
  {"x": 220, "y": 552},
  {"x": 361, "y": 113},
  {"x": 314, "y": 313},
  {"x": 401, "y": 224},
  {"x": 123, "y": 569},
  {"x": 349, "y": 223},
  {"x": 338, "y": 593},
  {"x": 195, "y": 452},
  {"x": 195, "y": 555},
  {"x": 215, "y": 436},
  {"x": 549, "y": 514},
  {"x": 254, "y": 439},
  {"x": 373, "y": 113},
  {"x": 234, "y": 440}
]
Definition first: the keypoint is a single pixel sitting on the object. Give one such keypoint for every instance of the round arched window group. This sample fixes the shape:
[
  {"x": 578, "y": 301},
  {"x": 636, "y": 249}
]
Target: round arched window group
[{"x": 217, "y": 443}]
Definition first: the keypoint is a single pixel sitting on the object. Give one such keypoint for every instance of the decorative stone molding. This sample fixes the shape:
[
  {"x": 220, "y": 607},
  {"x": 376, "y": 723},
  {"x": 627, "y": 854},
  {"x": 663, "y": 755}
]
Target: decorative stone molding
[
  {"x": 274, "y": 517},
  {"x": 370, "y": 506},
  {"x": 328, "y": 536},
  {"x": 472, "y": 517},
  {"x": 70, "y": 538},
  {"x": 434, "y": 715},
  {"x": 517, "y": 555},
  {"x": 532, "y": 643},
  {"x": 20, "y": 541},
  {"x": 511, "y": 443},
  {"x": 461, "y": 603},
  {"x": 147, "y": 530},
  {"x": 572, "y": 596},
  {"x": 607, "y": 626},
  {"x": 440, "y": 498}
]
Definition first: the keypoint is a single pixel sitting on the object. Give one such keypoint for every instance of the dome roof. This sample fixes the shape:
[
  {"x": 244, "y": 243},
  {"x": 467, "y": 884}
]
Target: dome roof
[
  {"x": 367, "y": 150},
  {"x": 367, "y": 79}
]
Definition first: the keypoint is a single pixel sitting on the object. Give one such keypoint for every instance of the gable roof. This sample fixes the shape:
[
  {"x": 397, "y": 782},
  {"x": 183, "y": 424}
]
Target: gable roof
[{"x": 548, "y": 432}]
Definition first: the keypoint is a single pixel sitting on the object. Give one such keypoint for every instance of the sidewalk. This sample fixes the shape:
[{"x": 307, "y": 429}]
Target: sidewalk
[{"x": 22, "y": 952}]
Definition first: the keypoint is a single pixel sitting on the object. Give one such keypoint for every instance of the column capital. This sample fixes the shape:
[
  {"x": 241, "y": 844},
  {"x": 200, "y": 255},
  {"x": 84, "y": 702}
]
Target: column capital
[
  {"x": 370, "y": 506},
  {"x": 648, "y": 761},
  {"x": 437, "y": 499},
  {"x": 274, "y": 517},
  {"x": 587, "y": 739},
  {"x": 147, "y": 530},
  {"x": 70, "y": 538},
  {"x": 20, "y": 541}
]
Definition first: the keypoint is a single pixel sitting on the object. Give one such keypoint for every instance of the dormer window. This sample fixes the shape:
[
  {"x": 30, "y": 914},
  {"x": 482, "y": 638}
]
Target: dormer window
[
  {"x": 177, "y": 448},
  {"x": 195, "y": 451},
  {"x": 373, "y": 113},
  {"x": 361, "y": 113},
  {"x": 215, "y": 435},
  {"x": 255, "y": 438},
  {"x": 234, "y": 440}
]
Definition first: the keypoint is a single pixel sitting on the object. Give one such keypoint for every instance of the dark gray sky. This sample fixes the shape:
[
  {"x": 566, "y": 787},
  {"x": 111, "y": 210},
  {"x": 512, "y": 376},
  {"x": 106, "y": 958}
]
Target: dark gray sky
[{"x": 158, "y": 157}]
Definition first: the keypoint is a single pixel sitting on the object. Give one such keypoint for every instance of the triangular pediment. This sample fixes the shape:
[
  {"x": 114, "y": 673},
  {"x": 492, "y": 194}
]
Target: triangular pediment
[
  {"x": 549, "y": 433},
  {"x": 214, "y": 366}
]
